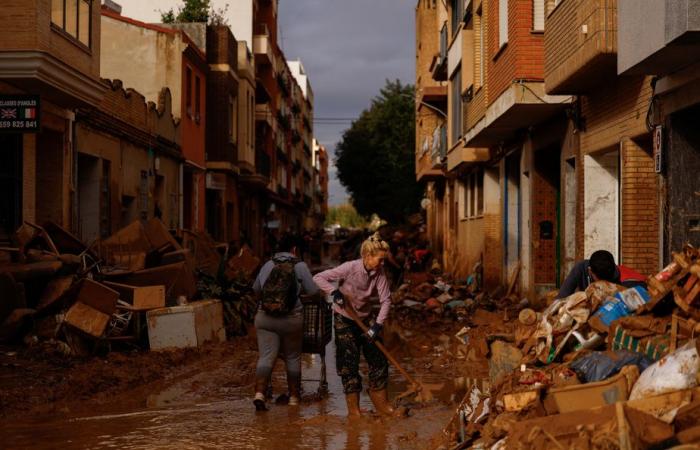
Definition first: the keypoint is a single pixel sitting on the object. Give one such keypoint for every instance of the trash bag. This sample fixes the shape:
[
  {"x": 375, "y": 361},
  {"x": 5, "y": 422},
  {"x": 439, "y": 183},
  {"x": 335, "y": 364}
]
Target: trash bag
[
  {"x": 674, "y": 372},
  {"x": 599, "y": 366}
]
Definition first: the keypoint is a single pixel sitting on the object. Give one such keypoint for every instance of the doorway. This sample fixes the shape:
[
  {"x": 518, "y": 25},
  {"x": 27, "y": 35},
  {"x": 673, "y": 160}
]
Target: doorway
[
  {"x": 10, "y": 185},
  {"x": 546, "y": 218}
]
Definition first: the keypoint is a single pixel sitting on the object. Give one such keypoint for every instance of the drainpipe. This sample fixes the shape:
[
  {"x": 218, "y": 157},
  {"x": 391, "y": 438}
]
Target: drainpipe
[
  {"x": 181, "y": 196},
  {"x": 74, "y": 175}
]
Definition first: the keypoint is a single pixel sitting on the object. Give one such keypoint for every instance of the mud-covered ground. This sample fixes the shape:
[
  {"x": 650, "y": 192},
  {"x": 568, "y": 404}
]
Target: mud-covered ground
[{"x": 201, "y": 398}]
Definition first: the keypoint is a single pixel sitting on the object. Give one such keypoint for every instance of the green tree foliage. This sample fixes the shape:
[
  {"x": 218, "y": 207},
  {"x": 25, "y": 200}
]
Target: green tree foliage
[
  {"x": 346, "y": 216},
  {"x": 376, "y": 156},
  {"x": 195, "y": 11}
]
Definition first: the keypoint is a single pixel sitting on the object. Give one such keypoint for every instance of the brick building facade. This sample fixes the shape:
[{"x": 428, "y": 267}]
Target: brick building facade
[{"x": 551, "y": 157}]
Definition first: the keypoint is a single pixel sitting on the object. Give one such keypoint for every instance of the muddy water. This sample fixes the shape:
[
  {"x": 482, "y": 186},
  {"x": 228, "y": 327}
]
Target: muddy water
[{"x": 200, "y": 411}]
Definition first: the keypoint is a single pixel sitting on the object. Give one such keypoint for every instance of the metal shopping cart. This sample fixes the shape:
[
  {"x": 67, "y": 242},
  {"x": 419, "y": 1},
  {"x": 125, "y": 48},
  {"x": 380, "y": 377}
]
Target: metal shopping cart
[{"x": 318, "y": 324}]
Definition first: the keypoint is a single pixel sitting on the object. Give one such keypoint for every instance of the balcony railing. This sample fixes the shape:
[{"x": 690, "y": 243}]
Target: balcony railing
[{"x": 580, "y": 45}]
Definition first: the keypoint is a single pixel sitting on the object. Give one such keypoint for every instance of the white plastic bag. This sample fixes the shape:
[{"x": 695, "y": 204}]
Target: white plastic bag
[{"x": 673, "y": 372}]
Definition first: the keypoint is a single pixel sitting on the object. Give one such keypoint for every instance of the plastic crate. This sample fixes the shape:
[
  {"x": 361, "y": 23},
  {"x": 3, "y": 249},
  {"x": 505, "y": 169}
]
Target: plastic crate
[{"x": 318, "y": 324}]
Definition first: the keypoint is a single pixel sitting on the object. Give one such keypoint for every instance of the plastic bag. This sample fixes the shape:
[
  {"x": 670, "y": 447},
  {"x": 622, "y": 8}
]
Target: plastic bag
[
  {"x": 673, "y": 372},
  {"x": 599, "y": 366}
]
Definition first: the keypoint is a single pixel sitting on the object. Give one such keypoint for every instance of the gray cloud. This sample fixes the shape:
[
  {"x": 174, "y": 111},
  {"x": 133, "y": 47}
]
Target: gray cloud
[{"x": 348, "y": 47}]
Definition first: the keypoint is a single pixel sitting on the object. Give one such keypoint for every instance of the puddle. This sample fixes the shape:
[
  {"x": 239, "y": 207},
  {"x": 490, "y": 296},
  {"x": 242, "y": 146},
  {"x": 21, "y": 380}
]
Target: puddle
[{"x": 200, "y": 412}]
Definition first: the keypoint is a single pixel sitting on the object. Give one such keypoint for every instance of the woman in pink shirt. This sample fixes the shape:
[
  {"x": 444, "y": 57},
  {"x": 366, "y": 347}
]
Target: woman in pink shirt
[{"x": 356, "y": 282}]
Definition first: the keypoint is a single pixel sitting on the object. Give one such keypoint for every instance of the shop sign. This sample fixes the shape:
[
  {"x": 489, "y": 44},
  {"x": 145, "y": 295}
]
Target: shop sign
[{"x": 20, "y": 113}]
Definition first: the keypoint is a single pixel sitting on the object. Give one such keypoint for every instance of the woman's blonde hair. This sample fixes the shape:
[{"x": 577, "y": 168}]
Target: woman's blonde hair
[{"x": 373, "y": 245}]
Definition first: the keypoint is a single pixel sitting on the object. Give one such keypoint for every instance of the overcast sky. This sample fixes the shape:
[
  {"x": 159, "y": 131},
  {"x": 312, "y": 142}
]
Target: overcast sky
[{"x": 348, "y": 47}]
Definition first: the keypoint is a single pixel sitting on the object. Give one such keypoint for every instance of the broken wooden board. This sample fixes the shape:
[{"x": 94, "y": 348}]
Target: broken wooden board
[
  {"x": 31, "y": 271},
  {"x": 520, "y": 400},
  {"x": 141, "y": 298},
  {"x": 65, "y": 242},
  {"x": 97, "y": 296},
  {"x": 177, "y": 278},
  {"x": 55, "y": 289},
  {"x": 87, "y": 319}
]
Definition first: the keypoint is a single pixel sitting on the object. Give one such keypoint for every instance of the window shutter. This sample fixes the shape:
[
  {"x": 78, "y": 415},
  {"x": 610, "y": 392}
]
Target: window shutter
[
  {"x": 538, "y": 15},
  {"x": 502, "y": 22}
]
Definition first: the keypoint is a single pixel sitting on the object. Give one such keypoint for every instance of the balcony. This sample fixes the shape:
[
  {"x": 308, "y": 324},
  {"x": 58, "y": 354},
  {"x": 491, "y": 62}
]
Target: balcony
[
  {"x": 460, "y": 158},
  {"x": 433, "y": 153},
  {"x": 261, "y": 178},
  {"x": 580, "y": 42},
  {"x": 264, "y": 114},
  {"x": 262, "y": 45},
  {"x": 657, "y": 37},
  {"x": 523, "y": 104},
  {"x": 438, "y": 68}
]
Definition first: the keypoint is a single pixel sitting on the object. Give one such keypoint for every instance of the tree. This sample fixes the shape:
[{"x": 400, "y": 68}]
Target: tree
[
  {"x": 376, "y": 156},
  {"x": 195, "y": 11},
  {"x": 346, "y": 216}
]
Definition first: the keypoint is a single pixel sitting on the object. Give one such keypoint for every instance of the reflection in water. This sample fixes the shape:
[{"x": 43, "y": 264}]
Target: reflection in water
[{"x": 182, "y": 417}]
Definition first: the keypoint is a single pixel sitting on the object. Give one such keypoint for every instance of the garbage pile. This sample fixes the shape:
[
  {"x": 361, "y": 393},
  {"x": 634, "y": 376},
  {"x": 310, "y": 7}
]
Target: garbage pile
[
  {"x": 141, "y": 287},
  {"x": 611, "y": 367}
]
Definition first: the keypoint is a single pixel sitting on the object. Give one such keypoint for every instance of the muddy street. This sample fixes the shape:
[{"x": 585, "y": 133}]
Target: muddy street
[{"x": 210, "y": 407}]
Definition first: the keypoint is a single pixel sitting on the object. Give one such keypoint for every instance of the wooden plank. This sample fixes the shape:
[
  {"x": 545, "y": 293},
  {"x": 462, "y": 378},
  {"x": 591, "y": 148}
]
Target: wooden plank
[
  {"x": 87, "y": 319},
  {"x": 97, "y": 296},
  {"x": 141, "y": 298}
]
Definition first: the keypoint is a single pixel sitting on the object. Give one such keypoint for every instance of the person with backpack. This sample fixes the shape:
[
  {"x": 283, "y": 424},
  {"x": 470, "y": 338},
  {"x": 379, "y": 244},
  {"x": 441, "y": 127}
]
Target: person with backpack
[
  {"x": 279, "y": 320},
  {"x": 355, "y": 282}
]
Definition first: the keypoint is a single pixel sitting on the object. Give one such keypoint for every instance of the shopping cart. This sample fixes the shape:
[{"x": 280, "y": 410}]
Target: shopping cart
[{"x": 318, "y": 324}]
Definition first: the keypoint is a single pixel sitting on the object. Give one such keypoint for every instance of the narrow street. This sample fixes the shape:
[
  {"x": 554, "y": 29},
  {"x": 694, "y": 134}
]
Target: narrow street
[{"x": 203, "y": 410}]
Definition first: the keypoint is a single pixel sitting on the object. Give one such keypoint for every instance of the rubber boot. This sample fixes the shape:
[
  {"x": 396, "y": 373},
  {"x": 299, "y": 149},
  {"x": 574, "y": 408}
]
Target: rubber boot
[
  {"x": 380, "y": 400},
  {"x": 294, "y": 384},
  {"x": 259, "y": 400},
  {"x": 353, "y": 401}
]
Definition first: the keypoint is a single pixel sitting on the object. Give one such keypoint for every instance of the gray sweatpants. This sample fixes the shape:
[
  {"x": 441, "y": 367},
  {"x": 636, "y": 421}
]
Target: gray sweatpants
[{"x": 275, "y": 334}]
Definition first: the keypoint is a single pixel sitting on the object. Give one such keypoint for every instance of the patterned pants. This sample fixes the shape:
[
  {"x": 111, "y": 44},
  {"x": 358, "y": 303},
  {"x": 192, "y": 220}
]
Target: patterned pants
[{"x": 349, "y": 341}]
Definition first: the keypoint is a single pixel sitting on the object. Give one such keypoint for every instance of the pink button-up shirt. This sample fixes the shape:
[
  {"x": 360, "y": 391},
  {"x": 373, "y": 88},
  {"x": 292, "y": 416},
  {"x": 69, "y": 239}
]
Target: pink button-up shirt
[{"x": 358, "y": 285}]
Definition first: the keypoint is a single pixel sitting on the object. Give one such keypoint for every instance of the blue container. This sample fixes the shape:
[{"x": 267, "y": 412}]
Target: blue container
[{"x": 613, "y": 308}]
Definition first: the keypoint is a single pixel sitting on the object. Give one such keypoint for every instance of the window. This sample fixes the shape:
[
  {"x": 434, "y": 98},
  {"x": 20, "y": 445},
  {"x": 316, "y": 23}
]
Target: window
[
  {"x": 473, "y": 195},
  {"x": 197, "y": 99},
  {"x": 188, "y": 91},
  {"x": 502, "y": 22},
  {"x": 456, "y": 106},
  {"x": 74, "y": 17},
  {"x": 233, "y": 120},
  {"x": 482, "y": 49},
  {"x": 538, "y": 15},
  {"x": 457, "y": 7}
]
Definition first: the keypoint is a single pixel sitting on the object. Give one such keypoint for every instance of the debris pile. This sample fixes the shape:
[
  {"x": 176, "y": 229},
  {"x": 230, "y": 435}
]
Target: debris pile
[
  {"x": 611, "y": 367},
  {"x": 82, "y": 299}
]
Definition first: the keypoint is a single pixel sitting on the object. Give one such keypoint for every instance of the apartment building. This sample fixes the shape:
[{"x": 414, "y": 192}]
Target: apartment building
[
  {"x": 548, "y": 154},
  {"x": 664, "y": 53},
  {"x": 165, "y": 56},
  {"x": 49, "y": 67}
]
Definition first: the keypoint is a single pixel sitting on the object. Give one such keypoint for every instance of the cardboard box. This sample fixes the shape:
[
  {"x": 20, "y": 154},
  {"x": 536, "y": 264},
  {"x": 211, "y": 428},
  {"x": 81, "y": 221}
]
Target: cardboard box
[
  {"x": 186, "y": 326},
  {"x": 590, "y": 395},
  {"x": 142, "y": 298}
]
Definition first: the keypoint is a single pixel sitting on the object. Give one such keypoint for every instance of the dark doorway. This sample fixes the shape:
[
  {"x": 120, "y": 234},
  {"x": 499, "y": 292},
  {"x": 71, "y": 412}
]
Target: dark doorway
[
  {"x": 10, "y": 185},
  {"x": 546, "y": 212}
]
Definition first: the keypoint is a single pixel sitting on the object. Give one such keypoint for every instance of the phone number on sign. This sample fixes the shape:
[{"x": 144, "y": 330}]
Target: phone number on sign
[{"x": 18, "y": 124}]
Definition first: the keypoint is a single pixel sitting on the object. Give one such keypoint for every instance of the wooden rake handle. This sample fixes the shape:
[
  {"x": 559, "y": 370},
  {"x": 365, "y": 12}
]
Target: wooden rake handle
[{"x": 347, "y": 306}]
